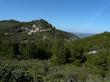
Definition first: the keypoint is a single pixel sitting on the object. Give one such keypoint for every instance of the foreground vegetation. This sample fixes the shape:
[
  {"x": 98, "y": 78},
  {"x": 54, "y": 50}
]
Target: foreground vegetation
[{"x": 41, "y": 71}]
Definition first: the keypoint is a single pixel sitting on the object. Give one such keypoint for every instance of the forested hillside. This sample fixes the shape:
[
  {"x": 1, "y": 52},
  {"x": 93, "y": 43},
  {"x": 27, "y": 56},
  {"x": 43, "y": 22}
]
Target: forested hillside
[
  {"x": 30, "y": 40},
  {"x": 37, "y": 51}
]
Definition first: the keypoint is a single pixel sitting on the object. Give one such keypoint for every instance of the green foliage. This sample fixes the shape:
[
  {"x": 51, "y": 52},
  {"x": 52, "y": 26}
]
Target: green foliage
[
  {"x": 100, "y": 62},
  {"x": 77, "y": 54},
  {"x": 9, "y": 74},
  {"x": 22, "y": 76},
  {"x": 60, "y": 53}
]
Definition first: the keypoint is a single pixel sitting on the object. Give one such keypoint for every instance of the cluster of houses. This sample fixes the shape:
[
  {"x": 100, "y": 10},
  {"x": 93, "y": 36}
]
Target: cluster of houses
[{"x": 32, "y": 29}]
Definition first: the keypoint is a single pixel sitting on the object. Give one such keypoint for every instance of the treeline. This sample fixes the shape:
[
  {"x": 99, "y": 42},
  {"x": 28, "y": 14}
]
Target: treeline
[{"x": 58, "y": 51}]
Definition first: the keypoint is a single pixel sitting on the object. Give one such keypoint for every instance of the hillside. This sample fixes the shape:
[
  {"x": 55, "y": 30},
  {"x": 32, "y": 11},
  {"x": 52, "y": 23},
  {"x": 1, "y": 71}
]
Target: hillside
[
  {"x": 40, "y": 28},
  {"x": 26, "y": 40},
  {"x": 97, "y": 41},
  {"x": 96, "y": 50},
  {"x": 46, "y": 52},
  {"x": 38, "y": 52}
]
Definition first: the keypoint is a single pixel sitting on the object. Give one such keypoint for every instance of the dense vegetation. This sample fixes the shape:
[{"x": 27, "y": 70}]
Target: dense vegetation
[{"x": 51, "y": 56}]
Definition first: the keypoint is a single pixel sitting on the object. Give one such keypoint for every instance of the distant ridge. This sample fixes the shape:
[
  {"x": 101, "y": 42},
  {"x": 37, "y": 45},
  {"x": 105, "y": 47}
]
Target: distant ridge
[{"x": 84, "y": 35}]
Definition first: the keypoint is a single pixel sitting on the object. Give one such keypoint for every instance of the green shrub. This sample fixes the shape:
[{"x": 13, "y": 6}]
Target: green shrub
[{"x": 9, "y": 74}]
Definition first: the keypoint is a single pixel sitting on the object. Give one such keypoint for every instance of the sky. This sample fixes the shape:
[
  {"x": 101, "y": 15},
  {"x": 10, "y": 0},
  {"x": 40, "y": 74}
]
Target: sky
[{"x": 83, "y": 16}]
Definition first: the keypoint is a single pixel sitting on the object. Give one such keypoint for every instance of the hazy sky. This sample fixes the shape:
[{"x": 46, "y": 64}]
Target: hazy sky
[{"x": 88, "y": 16}]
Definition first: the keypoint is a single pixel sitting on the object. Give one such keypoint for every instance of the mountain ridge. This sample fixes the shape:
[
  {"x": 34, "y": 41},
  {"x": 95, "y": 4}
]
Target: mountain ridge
[{"x": 31, "y": 27}]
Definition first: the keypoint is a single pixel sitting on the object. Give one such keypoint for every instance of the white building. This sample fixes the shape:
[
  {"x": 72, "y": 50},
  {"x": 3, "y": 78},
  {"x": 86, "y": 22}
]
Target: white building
[{"x": 92, "y": 52}]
